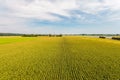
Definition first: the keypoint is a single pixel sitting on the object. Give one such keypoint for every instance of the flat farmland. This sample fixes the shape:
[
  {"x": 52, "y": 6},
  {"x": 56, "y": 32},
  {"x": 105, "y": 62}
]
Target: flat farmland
[{"x": 59, "y": 58}]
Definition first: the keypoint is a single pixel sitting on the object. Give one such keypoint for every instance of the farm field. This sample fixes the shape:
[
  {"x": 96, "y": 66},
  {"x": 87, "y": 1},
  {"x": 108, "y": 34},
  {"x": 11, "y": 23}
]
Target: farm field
[
  {"x": 59, "y": 58},
  {"x": 12, "y": 39}
]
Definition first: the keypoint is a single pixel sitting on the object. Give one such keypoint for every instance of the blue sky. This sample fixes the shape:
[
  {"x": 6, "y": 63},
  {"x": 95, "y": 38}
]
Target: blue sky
[{"x": 60, "y": 16}]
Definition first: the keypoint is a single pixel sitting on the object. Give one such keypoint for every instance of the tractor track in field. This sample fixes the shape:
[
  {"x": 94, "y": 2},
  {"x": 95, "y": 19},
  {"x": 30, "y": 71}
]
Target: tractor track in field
[{"x": 66, "y": 59}]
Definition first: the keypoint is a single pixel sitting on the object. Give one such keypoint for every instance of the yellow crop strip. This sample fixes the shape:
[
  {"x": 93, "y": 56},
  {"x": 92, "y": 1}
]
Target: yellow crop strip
[{"x": 59, "y": 58}]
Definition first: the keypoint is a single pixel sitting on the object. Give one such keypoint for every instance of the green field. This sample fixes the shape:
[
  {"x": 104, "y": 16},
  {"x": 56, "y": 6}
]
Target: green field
[{"x": 59, "y": 58}]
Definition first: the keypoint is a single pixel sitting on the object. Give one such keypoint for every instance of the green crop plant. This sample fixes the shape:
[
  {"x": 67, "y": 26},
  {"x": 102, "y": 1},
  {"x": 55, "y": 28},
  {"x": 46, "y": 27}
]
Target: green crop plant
[{"x": 59, "y": 58}]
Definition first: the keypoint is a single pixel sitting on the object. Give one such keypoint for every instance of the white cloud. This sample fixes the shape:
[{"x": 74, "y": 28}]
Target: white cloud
[
  {"x": 44, "y": 9},
  {"x": 19, "y": 12},
  {"x": 113, "y": 5},
  {"x": 7, "y": 20},
  {"x": 41, "y": 9}
]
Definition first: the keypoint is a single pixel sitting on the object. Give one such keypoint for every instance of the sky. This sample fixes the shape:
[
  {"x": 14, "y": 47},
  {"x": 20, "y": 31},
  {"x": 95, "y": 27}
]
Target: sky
[{"x": 60, "y": 16}]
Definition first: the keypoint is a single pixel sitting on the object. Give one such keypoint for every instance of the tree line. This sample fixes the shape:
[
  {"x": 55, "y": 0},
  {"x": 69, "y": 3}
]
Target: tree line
[{"x": 54, "y": 35}]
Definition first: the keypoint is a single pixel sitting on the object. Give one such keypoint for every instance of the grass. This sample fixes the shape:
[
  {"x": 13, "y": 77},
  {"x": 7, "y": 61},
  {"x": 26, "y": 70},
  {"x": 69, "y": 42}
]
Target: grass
[{"x": 59, "y": 58}]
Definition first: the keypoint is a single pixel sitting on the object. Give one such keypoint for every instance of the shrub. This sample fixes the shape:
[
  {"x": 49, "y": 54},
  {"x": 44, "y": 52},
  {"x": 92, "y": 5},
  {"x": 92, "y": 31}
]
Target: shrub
[
  {"x": 50, "y": 35},
  {"x": 29, "y": 35},
  {"x": 59, "y": 35},
  {"x": 103, "y": 37},
  {"x": 116, "y": 38}
]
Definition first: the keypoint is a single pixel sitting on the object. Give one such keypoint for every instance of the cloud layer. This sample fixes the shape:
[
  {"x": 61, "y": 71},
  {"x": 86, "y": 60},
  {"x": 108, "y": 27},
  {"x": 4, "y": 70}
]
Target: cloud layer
[{"x": 21, "y": 12}]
